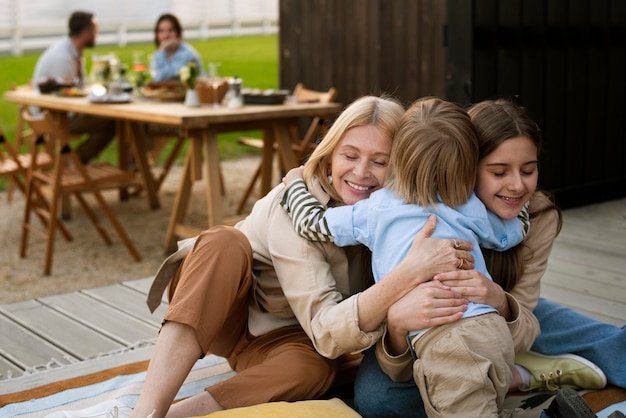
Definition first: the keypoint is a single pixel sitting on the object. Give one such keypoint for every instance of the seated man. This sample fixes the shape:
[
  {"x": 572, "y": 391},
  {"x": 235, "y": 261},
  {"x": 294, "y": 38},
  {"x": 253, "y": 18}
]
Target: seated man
[{"x": 63, "y": 59}]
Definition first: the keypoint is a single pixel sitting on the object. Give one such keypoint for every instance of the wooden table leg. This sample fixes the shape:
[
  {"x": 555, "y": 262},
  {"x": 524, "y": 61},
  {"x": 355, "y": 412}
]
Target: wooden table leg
[
  {"x": 183, "y": 194},
  {"x": 267, "y": 159},
  {"x": 210, "y": 154},
  {"x": 122, "y": 156},
  {"x": 140, "y": 151},
  {"x": 64, "y": 125},
  {"x": 283, "y": 140}
]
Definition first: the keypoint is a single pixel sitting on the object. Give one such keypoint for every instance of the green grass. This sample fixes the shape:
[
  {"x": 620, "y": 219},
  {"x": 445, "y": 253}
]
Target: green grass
[{"x": 253, "y": 58}]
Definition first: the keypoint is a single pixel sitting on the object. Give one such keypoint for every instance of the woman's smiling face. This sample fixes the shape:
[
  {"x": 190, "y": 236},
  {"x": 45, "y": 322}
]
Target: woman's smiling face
[
  {"x": 359, "y": 163},
  {"x": 507, "y": 178},
  {"x": 166, "y": 31}
]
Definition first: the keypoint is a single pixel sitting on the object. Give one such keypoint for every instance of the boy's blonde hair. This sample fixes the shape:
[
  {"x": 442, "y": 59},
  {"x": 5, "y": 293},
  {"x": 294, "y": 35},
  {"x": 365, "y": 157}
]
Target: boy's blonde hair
[{"x": 434, "y": 155}]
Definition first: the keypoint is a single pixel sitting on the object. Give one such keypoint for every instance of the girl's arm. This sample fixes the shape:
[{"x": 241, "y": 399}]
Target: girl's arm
[{"x": 306, "y": 212}]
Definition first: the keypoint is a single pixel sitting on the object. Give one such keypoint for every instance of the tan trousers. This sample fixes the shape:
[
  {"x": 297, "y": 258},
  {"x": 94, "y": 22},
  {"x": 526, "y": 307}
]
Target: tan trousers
[
  {"x": 463, "y": 369},
  {"x": 210, "y": 293}
]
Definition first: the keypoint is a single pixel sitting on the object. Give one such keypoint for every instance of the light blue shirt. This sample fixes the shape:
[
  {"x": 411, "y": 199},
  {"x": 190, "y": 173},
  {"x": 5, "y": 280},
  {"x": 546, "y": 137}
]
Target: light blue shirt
[
  {"x": 163, "y": 69},
  {"x": 387, "y": 226}
]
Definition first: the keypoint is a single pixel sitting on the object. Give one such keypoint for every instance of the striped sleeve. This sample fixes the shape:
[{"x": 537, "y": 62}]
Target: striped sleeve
[
  {"x": 306, "y": 212},
  {"x": 524, "y": 218}
]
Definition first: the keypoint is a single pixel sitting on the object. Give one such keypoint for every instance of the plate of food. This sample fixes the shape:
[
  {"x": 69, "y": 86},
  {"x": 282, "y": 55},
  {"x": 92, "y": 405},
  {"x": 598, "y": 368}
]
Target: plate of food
[
  {"x": 71, "y": 92},
  {"x": 165, "y": 91}
]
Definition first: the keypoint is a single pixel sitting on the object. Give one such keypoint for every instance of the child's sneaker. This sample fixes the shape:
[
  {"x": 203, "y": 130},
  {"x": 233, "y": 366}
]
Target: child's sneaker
[{"x": 551, "y": 373}]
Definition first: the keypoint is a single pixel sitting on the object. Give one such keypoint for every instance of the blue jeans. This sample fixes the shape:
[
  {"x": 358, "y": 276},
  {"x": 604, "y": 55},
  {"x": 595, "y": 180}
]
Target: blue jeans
[
  {"x": 563, "y": 331},
  {"x": 377, "y": 396}
]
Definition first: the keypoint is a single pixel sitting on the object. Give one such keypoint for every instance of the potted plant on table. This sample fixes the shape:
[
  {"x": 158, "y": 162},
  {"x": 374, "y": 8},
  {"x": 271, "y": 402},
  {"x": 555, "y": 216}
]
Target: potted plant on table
[{"x": 188, "y": 75}]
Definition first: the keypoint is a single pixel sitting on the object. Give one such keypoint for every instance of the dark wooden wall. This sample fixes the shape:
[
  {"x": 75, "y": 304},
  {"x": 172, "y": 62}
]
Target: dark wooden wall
[
  {"x": 564, "y": 60},
  {"x": 363, "y": 47}
]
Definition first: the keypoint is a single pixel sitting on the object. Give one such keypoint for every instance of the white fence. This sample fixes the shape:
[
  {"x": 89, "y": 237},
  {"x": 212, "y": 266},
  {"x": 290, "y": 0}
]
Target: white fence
[{"x": 31, "y": 25}]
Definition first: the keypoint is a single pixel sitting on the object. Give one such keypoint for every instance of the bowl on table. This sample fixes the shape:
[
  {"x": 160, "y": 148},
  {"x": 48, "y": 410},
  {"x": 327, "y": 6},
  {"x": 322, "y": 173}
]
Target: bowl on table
[{"x": 267, "y": 97}]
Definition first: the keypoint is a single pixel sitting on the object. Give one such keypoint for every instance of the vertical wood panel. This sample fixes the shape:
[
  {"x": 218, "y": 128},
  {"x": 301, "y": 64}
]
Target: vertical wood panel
[
  {"x": 576, "y": 102},
  {"x": 615, "y": 154},
  {"x": 509, "y": 51},
  {"x": 533, "y": 77},
  {"x": 597, "y": 89},
  {"x": 554, "y": 130},
  {"x": 364, "y": 46},
  {"x": 460, "y": 39},
  {"x": 485, "y": 69}
]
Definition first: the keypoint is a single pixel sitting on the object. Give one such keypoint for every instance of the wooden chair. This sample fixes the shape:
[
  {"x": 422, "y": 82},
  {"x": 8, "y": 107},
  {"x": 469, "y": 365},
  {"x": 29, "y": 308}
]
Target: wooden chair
[
  {"x": 67, "y": 176},
  {"x": 302, "y": 146},
  {"x": 15, "y": 166},
  {"x": 22, "y": 134}
]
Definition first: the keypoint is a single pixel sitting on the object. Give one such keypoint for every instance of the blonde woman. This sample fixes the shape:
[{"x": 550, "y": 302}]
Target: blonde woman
[{"x": 279, "y": 307}]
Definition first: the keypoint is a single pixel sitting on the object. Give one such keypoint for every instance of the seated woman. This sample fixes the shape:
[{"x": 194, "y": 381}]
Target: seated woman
[
  {"x": 172, "y": 52},
  {"x": 281, "y": 308}
]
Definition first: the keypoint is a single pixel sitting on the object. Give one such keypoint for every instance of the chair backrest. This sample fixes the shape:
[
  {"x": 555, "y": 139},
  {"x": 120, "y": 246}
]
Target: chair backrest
[
  {"x": 12, "y": 163},
  {"x": 22, "y": 132},
  {"x": 303, "y": 94},
  {"x": 43, "y": 130},
  {"x": 15, "y": 165},
  {"x": 303, "y": 146},
  {"x": 9, "y": 162}
]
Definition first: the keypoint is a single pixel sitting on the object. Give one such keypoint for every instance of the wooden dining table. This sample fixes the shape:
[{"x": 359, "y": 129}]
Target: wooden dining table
[{"x": 200, "y": 124}]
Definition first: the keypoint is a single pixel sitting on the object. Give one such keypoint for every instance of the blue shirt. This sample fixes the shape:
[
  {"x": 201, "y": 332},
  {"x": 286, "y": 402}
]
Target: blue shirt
[
  {"x": 387, "y": 226},
  {"x": 163, "y": 69}
]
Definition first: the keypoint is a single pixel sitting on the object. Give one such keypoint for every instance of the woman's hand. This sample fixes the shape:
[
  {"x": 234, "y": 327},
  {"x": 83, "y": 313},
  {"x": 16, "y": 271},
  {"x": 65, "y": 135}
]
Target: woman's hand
[
  {"x": 293, "y": 174},
  {"x": 476, "y": 288},
  {"x": 429, "y": 304},
  {"x": 430, "y": 256},
  {"x": 170, "y": 45}
]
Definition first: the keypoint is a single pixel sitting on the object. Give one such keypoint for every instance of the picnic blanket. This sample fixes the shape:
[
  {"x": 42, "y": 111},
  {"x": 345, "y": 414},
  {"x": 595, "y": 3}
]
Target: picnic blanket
[{"x": 122, "y": 384}]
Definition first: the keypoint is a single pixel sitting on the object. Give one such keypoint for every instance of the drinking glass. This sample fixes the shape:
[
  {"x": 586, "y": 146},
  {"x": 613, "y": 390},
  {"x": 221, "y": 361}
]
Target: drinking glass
[
  {"x": 214, "y": 74},
  {"x": 139, "y": 63}
]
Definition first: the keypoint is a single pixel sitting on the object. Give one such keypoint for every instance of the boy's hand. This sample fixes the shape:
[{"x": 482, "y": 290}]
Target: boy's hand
[{"x": 293, "y": 174}]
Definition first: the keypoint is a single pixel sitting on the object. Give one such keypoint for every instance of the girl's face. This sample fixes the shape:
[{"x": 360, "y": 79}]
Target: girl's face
[
  {"x": 359, "y": 163},
  {"x": 166, "y": 31},
  {"x": 507, "y": 178}
]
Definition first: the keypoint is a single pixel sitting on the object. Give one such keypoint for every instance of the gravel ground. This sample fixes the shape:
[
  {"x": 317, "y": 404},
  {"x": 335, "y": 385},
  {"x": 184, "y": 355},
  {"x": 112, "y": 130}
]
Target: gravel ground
[{"x": 87, "y": 262}]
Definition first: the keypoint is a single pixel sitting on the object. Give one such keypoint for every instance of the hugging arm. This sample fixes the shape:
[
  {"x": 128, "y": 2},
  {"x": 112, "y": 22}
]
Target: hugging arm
[{"x": 306, "y": 212}]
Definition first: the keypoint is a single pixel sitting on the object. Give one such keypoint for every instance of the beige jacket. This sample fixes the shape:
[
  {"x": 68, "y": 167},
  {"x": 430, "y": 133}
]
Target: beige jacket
[
  {"x": 522, "y": 298},
  {"x": 299, "y": 281}
]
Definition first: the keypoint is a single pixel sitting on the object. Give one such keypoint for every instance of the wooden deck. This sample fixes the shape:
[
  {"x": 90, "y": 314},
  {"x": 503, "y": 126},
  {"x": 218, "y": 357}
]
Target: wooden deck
[{"x": 95, "y": 329}]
